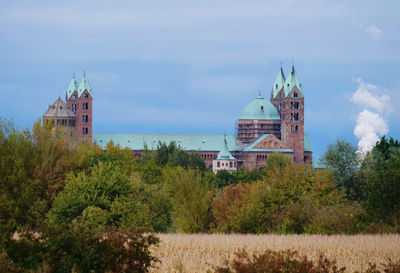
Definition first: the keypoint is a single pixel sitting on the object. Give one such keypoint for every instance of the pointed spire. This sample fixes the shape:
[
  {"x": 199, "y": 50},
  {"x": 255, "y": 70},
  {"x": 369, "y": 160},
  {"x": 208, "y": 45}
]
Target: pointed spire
[
  {"x": 84, "y": 85},
  {"x": 73, "y": 86},
  {"x": 279, "y": 83},
  {"x": 292, "y": 81},
  {"x": 225, "y": 153}
]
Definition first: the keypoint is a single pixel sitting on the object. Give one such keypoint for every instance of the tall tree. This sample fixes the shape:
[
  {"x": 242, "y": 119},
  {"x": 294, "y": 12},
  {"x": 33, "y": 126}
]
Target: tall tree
[
  {"x": 381, "y": 172},
  {"x": 342, "y": 160},
  {"x": 174, "y": 155}
]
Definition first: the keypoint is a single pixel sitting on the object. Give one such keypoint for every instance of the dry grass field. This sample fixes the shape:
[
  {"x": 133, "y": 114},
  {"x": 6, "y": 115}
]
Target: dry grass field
[{"x": 199, "y": 252}]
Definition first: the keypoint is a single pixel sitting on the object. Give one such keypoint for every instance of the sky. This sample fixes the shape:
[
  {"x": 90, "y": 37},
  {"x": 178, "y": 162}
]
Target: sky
[{"x": 192, "y": 66}]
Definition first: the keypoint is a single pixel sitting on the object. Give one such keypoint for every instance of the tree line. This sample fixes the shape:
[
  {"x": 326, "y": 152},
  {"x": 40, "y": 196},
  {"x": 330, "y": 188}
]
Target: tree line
[{"x": 55, "y": 194}]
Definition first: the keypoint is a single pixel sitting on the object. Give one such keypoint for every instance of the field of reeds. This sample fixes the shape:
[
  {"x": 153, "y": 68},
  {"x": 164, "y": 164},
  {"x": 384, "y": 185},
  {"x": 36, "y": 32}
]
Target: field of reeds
[{"x": 200, "y": 252}]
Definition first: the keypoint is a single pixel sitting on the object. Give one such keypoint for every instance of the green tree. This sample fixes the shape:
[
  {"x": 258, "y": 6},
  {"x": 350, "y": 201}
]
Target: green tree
[
  {"x": 260, "y": 207},
  {"x": 105, "y": 196},
  {"x": 277, "y": 160},
  {"x": 19, "y": 195},
  {"x": 174, "y": 155},
  {"x": 341, "y": 159},
  {"x": 191, "y": 198},
  {"x": 381, "y": 175}
]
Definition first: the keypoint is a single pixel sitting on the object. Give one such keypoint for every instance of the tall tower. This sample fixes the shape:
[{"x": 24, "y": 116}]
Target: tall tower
[
  {"x": 80, "y": 100},
  {"x": 287, "y": 97}
]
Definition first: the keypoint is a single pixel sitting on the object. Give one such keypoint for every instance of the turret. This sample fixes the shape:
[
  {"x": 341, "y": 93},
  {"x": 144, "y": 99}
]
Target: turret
[{"x": 224, "y": 160}]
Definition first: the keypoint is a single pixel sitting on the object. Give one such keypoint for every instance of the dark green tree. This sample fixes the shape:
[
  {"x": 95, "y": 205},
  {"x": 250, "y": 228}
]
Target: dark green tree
[
  {"x": 174, "y": 155},
  {"x": 381, "y": 172},
  {"x": 341, "y": 160}
]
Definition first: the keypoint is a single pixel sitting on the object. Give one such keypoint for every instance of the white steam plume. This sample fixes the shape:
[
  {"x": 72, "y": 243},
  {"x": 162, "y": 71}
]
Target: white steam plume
[{"x": 370, "y": 126}]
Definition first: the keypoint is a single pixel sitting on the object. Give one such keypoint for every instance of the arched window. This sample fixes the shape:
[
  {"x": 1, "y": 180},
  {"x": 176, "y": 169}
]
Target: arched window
[
  {"x": 230, "y": 164},
  {"x": 291, "y": 129},
  {"x": 218, "y": 164}
]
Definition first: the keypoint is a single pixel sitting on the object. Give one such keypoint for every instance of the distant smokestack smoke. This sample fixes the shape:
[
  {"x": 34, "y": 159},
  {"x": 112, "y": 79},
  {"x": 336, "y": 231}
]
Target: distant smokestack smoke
[{"x": 370, "y": 126}]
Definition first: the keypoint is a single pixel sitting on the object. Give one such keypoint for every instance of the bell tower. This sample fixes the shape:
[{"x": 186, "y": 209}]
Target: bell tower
[
  {"x": 80, "y": 100},
  {"x": 291, "y": 109}
]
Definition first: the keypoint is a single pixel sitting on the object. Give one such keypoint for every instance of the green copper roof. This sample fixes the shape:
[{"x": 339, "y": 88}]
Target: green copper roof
[
  {"x": 84, "y": 85},
  {"x": 259, "y": 108},
  {"x": 307, "y": 143},
  {"x": 317, "y": 162},
  {"x": 224, "y": 153},
  {"x": 279, "y": 83},
  {"x": 73, "y": 86},
  {"x": 192, "y": 142},
  {"x": 292, "y": 81},
  {"x": 195, "y": 142}
]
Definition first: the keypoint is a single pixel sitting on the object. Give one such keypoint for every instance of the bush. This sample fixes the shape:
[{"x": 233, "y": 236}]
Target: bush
[
  {"x": 291, "y": 262},
  {"x": 309, "y": 216},
  {"x": 279, "y": 261},
  {"x": 80, "y": 249}
]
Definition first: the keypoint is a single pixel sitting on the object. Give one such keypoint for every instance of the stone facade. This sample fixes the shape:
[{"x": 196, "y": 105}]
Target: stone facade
[
  {"x": 82, "y": 106},
  {"x": 228, "y": 165},
  {"x": 76, "y": 112},
  {"x": 291, "y": 110},
  {"x": 264, "y": 127}
]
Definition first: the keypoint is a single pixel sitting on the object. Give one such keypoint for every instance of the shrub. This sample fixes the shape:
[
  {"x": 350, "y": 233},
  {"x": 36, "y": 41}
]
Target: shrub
[
  {"x": 80, "y": 249},
  {"x": 291, "y": 262},
  {"x": 279, "y": 261},
  {"x": 309, "y": 216}
]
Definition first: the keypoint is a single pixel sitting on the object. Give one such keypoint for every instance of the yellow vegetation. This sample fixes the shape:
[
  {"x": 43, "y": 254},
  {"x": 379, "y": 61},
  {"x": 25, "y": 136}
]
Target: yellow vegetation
[{"x": 200, "y": 252}]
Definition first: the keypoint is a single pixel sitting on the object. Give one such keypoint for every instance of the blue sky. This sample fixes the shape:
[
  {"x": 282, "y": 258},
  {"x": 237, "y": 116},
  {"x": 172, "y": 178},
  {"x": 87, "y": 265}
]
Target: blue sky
[{"x": 191, "y": 66}]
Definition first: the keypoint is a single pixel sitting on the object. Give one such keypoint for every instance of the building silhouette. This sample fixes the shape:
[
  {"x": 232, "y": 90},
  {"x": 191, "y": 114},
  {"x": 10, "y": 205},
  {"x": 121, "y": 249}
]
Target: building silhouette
[{"x": 264, "y": 127}]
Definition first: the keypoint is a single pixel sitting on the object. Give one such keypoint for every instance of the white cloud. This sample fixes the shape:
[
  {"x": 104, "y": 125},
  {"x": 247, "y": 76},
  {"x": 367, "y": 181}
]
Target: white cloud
[
  {"x": 369, "y": 125},
  {"x": 374, "y": 31},
  {"x": 368, "y": 128},
  {"x": 363, "y": 97}
]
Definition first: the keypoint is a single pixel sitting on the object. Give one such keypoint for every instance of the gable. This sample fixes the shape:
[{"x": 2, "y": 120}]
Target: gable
[
  {"x": 298, "y": 92},
  {"x": 270, "y": 142}
]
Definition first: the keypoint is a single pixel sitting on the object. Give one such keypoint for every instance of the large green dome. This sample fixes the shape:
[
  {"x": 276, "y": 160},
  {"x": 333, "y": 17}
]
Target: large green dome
[{"x": 259, "y": 108}]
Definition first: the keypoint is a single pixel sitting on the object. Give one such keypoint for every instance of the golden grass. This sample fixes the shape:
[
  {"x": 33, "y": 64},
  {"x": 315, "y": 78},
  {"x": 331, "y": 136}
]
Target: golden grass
[{"x": 200, "y": 252}]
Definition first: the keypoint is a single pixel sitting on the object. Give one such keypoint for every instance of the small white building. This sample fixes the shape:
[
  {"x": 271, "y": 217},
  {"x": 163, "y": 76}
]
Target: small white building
[{"x": 224, "y": 160}]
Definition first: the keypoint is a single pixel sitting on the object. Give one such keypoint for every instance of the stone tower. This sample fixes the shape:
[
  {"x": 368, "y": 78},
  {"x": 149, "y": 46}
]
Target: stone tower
[
  {"x": 287, "y": 97},
  {"x": 80, "y": 101}
]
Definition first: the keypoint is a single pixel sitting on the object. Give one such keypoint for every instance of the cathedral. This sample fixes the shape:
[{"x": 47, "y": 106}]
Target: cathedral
[{"x": 264, "y": 127}]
